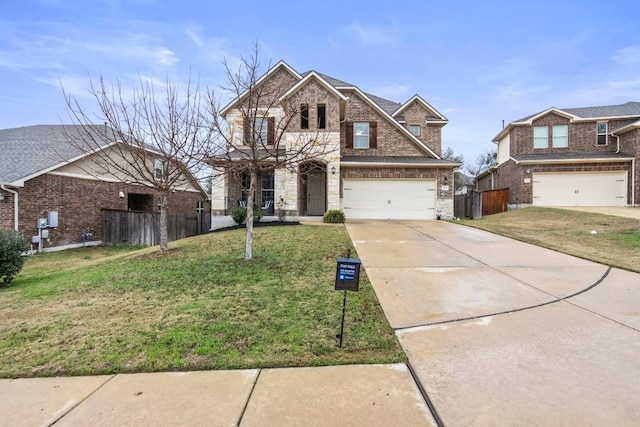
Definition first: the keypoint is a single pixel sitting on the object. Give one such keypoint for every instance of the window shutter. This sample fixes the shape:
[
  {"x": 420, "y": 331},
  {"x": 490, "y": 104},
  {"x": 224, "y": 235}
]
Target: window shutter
[
  {"x": 373, "y": 134},
  {"x": 246, "y": 129},
  {"x": 349, "y": 134},
  {"x": 271, "y": 130}
]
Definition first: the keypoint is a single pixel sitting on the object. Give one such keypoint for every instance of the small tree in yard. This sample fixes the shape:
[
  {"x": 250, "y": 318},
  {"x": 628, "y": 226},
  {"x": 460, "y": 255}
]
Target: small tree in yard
[
  {"x": 12, "y": 246},
  {"x": 267, "y": 142},
  {"x": 153, "y": 140},
  {"x": 483, "y": 162}
]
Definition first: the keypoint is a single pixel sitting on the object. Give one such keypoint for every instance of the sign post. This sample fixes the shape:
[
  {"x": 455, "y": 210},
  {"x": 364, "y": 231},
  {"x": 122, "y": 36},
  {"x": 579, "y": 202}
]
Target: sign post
[{"x": 347, "y": 279}]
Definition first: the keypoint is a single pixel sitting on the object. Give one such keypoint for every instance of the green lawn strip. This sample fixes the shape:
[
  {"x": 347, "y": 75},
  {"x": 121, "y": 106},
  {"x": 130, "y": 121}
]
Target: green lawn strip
[
  {"x": 199, "y": 307},
  {"x": 615, "y": 243}
]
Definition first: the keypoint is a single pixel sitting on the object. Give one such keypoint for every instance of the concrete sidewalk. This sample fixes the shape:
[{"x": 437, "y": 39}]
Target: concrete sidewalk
[{"x": 357, "y": 395}]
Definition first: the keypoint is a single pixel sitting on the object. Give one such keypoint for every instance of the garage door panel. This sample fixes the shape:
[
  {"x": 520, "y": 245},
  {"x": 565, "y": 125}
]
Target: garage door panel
[
  {"x": 389, "y": 199},
  {"x": 580, "y": 188}
]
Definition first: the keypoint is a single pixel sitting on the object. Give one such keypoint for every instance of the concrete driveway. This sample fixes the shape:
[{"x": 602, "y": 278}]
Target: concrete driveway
[{"x": 500, "y": 332}]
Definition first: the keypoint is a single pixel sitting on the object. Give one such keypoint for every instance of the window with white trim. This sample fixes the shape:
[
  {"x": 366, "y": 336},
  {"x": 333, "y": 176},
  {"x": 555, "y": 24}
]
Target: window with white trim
[
  {"x": 260, "y": 126},
  {"x": 560, "y": 135},
  {"x": 415, "y": 129},
  {"x": 540, "y": 136},
  {"x": 159, "y": 167},
  {"x": 602, "y": 133},
  {"x": 361, "y": 135}
]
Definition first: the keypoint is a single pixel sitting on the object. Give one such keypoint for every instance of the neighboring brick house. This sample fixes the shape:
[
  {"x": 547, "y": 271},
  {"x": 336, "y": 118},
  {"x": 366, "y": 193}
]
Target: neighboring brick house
[
  {"x": 42, "y": 172},
  {"x": 385, "y": 161},
  {"x": 570, "y": 157}
]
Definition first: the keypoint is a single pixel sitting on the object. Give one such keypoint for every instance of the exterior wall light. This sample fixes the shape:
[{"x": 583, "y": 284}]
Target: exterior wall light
[
  {"x": 333, "y": 170},
  {"x": 1, "y": 197}
]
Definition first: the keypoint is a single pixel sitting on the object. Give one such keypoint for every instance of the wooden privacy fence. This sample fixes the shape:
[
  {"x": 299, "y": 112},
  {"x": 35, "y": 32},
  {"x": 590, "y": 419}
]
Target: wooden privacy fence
[
  {"x": 143, "y": 228},
  {"x": 495, "y": 201},
  {"x": 476, "y": 204}
]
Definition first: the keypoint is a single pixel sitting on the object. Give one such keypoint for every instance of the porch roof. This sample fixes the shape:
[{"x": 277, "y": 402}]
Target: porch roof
[
  {"x": 406, "y": 161},
  {"x": 586, "y": 157}
]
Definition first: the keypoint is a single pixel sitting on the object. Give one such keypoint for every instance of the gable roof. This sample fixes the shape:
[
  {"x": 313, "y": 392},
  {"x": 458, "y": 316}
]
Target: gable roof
[
  {"x": 417, "y": 98},
  {"x": 280, "y": 65},
  {"x": 605, "y": 112},
  {"x": 384, "y": 106},
  {"x": 30, "y": 151},
  {"x": 309, "y": 76}
]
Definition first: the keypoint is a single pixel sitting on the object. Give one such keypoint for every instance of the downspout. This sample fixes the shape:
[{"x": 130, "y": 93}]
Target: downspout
[{"x": 15, "y": 206}]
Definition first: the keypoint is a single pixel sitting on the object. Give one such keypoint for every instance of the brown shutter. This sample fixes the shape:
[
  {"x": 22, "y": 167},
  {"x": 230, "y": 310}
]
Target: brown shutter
[
  {"x": 373, "y": 134},
  {"x": 349, "y": 134},
  {"x": 246, "y": 129},
  {"x": 271, "y": 130}
]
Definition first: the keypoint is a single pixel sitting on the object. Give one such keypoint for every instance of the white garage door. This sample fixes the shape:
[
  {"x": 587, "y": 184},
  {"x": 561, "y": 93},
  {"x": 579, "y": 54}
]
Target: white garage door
[
  {"x": 389, "y": 198},
  {"x": 580, "y": 189}
]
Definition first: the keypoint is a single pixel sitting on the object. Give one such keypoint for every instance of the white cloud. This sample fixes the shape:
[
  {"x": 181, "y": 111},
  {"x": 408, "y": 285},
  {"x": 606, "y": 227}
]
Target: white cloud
[
  {"x": 373, "y": 35},
  {"x": 627, "y": 55}
]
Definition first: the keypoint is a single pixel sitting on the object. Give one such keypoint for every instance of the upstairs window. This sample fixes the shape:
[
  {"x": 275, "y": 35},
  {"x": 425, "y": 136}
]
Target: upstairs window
[
  {"x": 159, "y": 167},
  {"x": 415, "y": 129},
  {"x": 361, "y": 135},
  {"x": 263, "y": 129},
  {"x": 304, "y": 116},
  {"x": 540, "y": 136},
  {"x": 560, "y": 136},
  {"x": 322, "y": 116},
  {"x": 602, "y": 133}
]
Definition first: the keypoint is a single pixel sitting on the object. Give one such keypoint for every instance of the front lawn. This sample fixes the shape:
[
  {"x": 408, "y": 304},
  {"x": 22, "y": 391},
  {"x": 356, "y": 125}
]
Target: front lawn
[
  {"x": 118, "y": 309},
  {"x": 616, "y": 241}
]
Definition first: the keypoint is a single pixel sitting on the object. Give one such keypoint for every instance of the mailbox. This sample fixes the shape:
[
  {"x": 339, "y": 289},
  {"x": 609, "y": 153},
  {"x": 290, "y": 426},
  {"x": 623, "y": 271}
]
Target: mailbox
[{"x": 347, "y": 274}]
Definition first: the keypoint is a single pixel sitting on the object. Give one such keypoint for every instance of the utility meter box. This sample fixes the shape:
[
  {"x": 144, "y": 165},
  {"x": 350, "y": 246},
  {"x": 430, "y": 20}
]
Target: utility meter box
[
  {"x": 52, "y": 219},
  {"x": 348, "y": 274},
  {"x": 42, "y": 222}
]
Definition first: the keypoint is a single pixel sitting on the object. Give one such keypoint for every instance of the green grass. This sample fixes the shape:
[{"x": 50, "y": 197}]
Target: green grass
[
  {"x": 616, "y": 242},
  {"x": 201, "y": 306}
]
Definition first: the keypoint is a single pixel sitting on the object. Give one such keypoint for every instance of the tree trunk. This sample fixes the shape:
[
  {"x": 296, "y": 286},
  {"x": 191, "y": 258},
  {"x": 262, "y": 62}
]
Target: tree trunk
[
  {"x": 164, "y": 232},
  {"x": 248, "y": 245}
]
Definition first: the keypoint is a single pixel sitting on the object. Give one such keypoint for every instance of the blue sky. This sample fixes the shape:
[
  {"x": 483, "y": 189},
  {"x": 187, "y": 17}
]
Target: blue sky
[{"x": 478, "y": 63}]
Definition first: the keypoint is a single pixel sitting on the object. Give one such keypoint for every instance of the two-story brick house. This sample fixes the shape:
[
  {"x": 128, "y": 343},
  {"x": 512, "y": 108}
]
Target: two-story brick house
[
  {"x": 570, "y": 157},
  {"x": 381, "y": 159}
]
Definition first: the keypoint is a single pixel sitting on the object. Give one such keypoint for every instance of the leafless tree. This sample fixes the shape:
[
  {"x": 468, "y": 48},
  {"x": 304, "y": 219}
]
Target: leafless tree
[
  {"x": 265, "y": 132},
  {"x": 483, "y": 162},
  {"x": 149, "y": 138},
  {"x": 448, "y": 154}
]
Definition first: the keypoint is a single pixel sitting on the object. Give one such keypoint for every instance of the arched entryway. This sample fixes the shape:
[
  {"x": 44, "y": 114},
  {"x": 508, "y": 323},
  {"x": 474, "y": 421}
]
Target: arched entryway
[{"x": 312, "y": 185}]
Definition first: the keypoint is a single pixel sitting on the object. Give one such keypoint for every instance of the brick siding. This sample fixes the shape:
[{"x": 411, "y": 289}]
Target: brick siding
[{"x": 78, "y": 202}]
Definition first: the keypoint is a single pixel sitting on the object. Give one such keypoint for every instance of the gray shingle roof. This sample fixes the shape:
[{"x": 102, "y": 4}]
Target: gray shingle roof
[
  {"x": 628, "y": 109},
  {"x": 27, "y": 151},
  {"x": 622, "y": 110},
  {"x": 389, "y": 106}
]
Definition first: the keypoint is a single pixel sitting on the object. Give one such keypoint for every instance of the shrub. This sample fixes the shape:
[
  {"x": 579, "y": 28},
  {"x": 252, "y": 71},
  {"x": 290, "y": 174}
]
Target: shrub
[
  {"x": 239, "y": 215},
  {"x": 333, "y": 217},
  {"x": 258, "y": 213},
  {"x": 12, "y": 245}
]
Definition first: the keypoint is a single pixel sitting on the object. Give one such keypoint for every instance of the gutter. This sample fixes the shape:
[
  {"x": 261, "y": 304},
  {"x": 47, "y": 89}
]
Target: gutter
[{"x": 15, "y": 206}]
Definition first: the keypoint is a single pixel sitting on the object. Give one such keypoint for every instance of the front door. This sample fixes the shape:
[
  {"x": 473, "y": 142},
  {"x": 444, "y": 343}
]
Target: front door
[{"x": 316, "y": 193}]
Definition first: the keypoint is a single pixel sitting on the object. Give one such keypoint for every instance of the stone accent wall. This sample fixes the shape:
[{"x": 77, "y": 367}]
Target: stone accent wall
[{"x": 79, "y": 202}]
